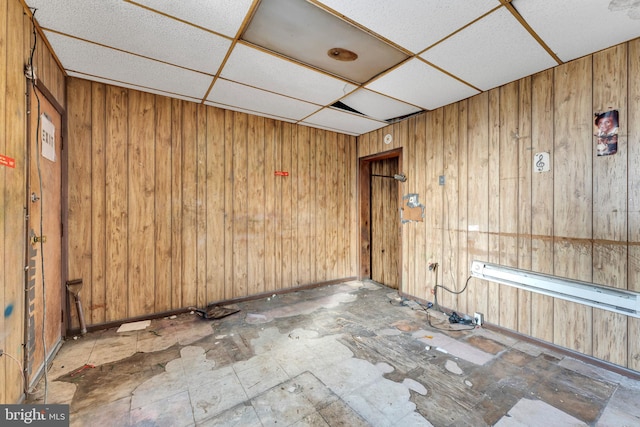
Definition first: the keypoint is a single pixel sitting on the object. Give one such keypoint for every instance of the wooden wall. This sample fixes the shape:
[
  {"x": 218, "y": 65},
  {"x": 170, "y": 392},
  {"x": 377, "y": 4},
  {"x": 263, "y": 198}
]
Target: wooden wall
[
  {"x": 16, "y": 40},
  {"x": 580, "y": 220},
  {"x": 174, "y": 204}
]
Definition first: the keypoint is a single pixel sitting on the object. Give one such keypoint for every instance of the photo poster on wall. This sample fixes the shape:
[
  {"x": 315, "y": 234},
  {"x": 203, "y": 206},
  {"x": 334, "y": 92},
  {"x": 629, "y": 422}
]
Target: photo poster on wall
[{"x": 605, "y": 129}]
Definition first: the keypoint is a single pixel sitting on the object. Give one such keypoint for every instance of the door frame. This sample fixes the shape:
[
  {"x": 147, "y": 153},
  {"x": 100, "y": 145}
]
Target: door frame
[
  {"x": 364, "y": 213},
  {"x": 31, "y": 377}
]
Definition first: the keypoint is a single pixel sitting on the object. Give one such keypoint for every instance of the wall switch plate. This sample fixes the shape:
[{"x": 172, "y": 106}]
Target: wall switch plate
[
  {"x": 478, "y": 319},
  {"x": 441, "y": 180}
]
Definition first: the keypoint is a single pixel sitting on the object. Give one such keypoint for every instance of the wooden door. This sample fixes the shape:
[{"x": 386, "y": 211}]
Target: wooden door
[
  {"x": 45, "y": 287},
  {"x": 385, "y": 223}
]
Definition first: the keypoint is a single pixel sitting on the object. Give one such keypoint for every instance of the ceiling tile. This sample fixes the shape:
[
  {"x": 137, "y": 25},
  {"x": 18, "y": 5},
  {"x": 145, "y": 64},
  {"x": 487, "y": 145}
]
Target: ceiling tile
[
  {"x": 260, "y": 101},
  {"x": 491, "y": 52},
  {"x": 412, "y": 24},
  {"x": 377, "y": 106},
  {"x": 131, "y": 86},
  {"x": 420, "y": 84},
  {"x": 244, "y": 110},
  {"x": 305, "y": 32},
  {"x": 136, "y": 30},
  {"x": 115, "y": 65},
  {"x": 351, "y": 123},
  {"x": 574, "y": 28},
  {"x": 266, "y": 71},
  {"x": 222, "y": 16}
]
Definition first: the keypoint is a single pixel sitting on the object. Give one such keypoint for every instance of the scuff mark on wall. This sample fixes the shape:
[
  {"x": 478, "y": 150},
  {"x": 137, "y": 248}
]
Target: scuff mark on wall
[{"x": 412, "y": 209}]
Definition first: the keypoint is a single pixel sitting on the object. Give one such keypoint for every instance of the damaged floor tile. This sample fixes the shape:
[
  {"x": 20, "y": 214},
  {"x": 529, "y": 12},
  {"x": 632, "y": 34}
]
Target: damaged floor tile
[{"x": 352, "y": 354}]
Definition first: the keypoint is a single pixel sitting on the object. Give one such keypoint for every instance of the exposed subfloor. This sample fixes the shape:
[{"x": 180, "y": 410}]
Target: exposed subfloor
[{"x": 352, "y": 354}]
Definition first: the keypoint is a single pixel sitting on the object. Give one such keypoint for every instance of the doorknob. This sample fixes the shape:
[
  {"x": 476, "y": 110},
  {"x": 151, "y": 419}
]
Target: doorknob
[{"x": 38, "y": 239}]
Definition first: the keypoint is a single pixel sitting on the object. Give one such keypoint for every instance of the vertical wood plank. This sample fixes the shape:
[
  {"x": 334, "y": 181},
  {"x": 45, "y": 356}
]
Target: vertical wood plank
[
  {"x": 189, "y": 203},
  {"x": 176, "y": 204},
  {"x": 478, "y": 197},
  {"x": 303, "y": 214},
  {"x": 525, "y": 172},
  {"x": 287, "y": 211},
  {"x": 141, "y": 188},
  {"x": 509, "y": 199},
  {"x": 12, "y": 207},
  {"x": 97, "y": 287},
  {"x": 464, "y": 208},
  {"x": 450, "y": 268},
  {"x": 333, "y": 204},
  {"x": 229, "y": 220},
  {"x": 255, "y": 206},
  {"x": 633, "y": 141},
  {"x": 116, "y": 179},
  {"x": 320, "y": 249},
  {"x": 573, "y": 201},
  {"x": 542, "y": 188},
  {"x": 422, "y": 249},
  {"x": 240, "y": 182},
  {"x": 80, "y": 197},
  {"x": 610, "y": 226},
  {"x": 215, "y": 204},
  {"x": 271, "y": 197},
  {"x": 410, "y": 229},
  {"x": 8, "y": 389},
  {"x": 163, "y": 204},
  {"x": 202, "y": 254},
  {"x": 433, "y": 195},
  {"x": 494, "y": 302}
]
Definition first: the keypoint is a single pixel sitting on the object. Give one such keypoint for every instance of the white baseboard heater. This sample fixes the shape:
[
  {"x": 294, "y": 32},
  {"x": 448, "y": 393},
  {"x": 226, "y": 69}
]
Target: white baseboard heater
[{"x": 604, "y": 297}]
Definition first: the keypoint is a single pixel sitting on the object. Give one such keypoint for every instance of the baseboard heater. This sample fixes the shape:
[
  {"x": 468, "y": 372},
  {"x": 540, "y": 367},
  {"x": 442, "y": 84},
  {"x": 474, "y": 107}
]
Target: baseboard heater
[{"x": 604, "y": 297}]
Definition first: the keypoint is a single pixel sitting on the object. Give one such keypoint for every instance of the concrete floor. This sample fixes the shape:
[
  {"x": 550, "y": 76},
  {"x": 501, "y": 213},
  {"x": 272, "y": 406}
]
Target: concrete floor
[{"x": 352, "y": 354}]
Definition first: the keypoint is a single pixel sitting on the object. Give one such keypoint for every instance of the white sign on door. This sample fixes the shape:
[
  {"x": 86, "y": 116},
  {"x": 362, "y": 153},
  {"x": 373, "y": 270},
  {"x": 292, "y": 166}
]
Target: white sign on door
[{"x": 48, "y": 138}]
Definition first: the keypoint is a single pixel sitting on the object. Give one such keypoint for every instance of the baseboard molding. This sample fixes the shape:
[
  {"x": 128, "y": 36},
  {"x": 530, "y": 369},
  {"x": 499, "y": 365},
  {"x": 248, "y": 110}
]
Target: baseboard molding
[{"x": 159, "y": 315}]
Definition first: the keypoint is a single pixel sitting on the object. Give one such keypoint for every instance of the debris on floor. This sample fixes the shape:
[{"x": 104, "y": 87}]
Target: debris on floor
[
  {"x": 216, "y": 311},
  {"x": 134, "y": 326}
]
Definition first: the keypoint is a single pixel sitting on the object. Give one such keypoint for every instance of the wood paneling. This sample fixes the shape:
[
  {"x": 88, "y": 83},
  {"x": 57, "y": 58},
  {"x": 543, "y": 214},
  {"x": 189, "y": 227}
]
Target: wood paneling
[
  {"x": 633, "y": 234},
  {"x": 579, "y": 220},
  {"x": 191, "y": 206},
  {"x": 16, "y": 42}
]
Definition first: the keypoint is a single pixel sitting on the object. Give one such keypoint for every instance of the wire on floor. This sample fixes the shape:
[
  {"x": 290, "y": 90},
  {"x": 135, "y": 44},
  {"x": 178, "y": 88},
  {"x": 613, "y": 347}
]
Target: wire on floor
[
  {"x": 32, "y": 79},
  {"x": 17, "y": 363}
]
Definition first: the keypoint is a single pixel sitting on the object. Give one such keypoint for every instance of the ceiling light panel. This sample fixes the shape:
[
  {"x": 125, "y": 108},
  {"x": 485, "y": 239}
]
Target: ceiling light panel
[
  {"x": 340, "y": 121},
  {"x": 377, "y": 106},
  {"x": 412, "y": 24},
  {"x": 260, "y": 101},
  {"x": 491, "y": 52},
  {"x": 134, "y": 29},
  {"x": 420, "y": 84},
  {"x": 574, "y": 28},
  {"x": 222, "y": 16},
  {"x": 306, "y": 33},
  {"x": 91, "y": 59},
  {"x": 266, "y": 71}
]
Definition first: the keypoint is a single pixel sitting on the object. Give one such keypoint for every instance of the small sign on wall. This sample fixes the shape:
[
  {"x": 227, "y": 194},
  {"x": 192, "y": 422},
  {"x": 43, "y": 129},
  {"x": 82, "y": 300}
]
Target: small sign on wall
[
  {"x": 541, "y": 162},
  {"x": 48, "y": 138}
]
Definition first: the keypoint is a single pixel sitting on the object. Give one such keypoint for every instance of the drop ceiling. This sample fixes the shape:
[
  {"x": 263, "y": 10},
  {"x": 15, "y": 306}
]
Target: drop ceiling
[{"x": 283, "y": 58}]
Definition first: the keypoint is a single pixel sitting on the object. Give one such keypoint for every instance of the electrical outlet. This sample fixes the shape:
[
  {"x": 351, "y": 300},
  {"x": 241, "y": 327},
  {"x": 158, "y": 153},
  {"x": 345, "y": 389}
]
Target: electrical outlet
[{"x": 478, "y": 319}]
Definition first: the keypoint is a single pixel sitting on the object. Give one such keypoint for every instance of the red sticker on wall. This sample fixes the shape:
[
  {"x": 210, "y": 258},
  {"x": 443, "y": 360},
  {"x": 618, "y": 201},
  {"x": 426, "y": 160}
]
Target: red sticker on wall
[
  {"x": 282, "y": 173},
  {"x": 7, "y": 161}
]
